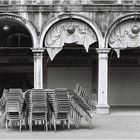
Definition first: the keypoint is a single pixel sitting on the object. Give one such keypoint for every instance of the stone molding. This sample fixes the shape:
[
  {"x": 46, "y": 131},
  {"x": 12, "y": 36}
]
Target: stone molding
[{"x": 24, "y": 22}]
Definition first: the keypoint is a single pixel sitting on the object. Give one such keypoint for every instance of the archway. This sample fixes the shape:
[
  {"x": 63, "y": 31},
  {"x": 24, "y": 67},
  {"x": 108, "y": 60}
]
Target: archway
[
  {"x": 16, "y": 60},
  {"x": 69, "y": 62},
  {"x": 124, "y": 78}
]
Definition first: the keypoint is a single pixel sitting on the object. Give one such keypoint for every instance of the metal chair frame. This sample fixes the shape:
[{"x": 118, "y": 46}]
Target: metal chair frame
[
  {"x": 14, "y": 103},
  {"x": 38, "y": 107},
  {"x": 61, "y": 107}
]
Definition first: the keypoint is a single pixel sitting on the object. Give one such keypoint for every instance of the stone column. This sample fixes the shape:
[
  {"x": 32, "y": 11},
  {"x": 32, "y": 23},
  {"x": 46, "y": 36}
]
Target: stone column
[
  {"x": 38, "y": 68},
  {"x": 102, "y": 106}
]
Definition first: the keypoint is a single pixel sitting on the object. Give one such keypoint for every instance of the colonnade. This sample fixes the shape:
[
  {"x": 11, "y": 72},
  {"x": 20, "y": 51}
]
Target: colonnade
[{"x": 102, "y": 50}]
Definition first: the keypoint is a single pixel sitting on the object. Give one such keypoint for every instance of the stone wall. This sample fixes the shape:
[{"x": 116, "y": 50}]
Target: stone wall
[{"x": 103, "y": 13}]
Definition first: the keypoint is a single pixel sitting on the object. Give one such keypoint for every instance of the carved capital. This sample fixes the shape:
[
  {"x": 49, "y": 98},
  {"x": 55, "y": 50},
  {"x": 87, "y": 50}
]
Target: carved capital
[
  {"x": 103, "y": 53},
  {"x": 103, "y": 50},
  {"x": 38, "y": 50}
]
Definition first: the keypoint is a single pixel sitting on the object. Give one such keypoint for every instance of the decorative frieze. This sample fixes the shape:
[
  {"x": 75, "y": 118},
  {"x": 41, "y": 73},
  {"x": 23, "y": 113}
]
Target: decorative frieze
[{"x": 69, "y": 2}]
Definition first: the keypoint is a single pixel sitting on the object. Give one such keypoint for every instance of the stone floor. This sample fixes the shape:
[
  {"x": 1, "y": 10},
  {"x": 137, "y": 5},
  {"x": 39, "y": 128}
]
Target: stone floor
[{"x": 123, "y": 124}]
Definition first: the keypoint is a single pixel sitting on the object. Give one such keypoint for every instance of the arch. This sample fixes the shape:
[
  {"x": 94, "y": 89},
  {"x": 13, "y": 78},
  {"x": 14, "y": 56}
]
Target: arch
[
  {"x": 120, "y": 71},
  {"x": 117, "y": 22},
  {"x": 26, "y": 23},
  {"x": 50, "y": 23}
]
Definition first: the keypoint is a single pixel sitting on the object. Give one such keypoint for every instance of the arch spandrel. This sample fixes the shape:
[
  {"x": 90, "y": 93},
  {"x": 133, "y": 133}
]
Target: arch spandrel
[{"x": 60, "y": 26}]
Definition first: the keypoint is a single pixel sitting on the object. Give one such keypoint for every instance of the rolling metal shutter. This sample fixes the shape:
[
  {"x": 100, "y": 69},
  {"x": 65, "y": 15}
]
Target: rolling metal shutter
[
  {"x": 124, "y": 86},
  {"x": 67, "y": 77}
]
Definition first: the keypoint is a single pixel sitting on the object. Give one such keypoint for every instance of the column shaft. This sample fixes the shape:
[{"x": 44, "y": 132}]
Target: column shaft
[
  {"x": 102, "y": 106},
  {"x": 38, "y": 69}
]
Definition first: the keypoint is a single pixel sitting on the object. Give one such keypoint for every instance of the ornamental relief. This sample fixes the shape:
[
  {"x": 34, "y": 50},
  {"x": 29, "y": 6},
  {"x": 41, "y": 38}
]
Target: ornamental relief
[
  {"x": 68, "y": 31},
  {"x": 125, "y": 35}
]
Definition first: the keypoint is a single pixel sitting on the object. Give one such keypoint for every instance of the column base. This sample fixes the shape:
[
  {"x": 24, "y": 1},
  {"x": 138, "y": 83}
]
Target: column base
[{"x": 102, "y": 109}]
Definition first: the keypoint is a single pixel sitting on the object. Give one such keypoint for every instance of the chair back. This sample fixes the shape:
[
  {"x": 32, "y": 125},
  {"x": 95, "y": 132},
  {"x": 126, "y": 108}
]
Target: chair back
[
  {"x": 62, "y": 100},
  {"x": 12, "y": 106},
  {"x": 38, "y": 101}
]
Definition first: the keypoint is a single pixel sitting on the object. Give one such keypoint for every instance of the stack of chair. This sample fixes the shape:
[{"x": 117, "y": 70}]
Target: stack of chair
[
  {"x": 2, "y": 107},
  {"x": 14, "y": 105},
  {"x": 61, "y": 107},
  {"x": 3, "y": 100},
  {"x": 27, "y": 106},
  {"x": 50, "y": 95},
  {"x": 78, "y": 112},
  {"x": 82, "y": 104},
  {"x": 85, "y": 97},
  {"x": 50, "y": 99},
  {"x": 38, "y": 107}
]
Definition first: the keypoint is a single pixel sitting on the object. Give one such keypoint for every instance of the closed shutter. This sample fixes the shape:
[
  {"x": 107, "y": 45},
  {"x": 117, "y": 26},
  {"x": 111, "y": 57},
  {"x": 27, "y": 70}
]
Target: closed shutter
[
  {"x": 124, "y": 86},
  {"x": 67, "y": 77}
]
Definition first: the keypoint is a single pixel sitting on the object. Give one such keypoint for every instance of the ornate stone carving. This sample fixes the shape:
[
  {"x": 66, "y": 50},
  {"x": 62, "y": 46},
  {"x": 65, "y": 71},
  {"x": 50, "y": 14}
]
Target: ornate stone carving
[
  {"x": 125, "y": 35},
  {"x": 71, "y": 29},
  {"x": 135, "y": 29},
  {"x": 68, "y": 31}
]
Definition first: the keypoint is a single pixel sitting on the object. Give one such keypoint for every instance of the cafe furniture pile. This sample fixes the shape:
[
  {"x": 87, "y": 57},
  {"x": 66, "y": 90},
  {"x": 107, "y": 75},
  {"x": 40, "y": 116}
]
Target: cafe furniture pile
[{"x": 49, "y": 106}]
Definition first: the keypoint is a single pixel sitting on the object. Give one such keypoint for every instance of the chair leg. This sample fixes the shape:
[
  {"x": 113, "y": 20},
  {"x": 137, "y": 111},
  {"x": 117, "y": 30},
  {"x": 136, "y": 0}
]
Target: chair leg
[
  {"x": 21, "y": 121},
  {"x": 54, "y": 123},
  {"x": 69, "y": 124},
  {"x": 62, "y": 124},
  {"x": 4, "y": 119},
  {"x": 90, "y": 123},
  {"x": 11, "y": 124},
  {"x": 6, "y": 124},
  {"x": 50, "y": 120},
  {"x": 46, "y": 123},
  {"x": 20, "y": 124},
  {"x": 50, "y": 124},
  {"x": 30, "y": 124},
  {"x": 79, "y": 121},
  {"x": 25, "y": 120}
]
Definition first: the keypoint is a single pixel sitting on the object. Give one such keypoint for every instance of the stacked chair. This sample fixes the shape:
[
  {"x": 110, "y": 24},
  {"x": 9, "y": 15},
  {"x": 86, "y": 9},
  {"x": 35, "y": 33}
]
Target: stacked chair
[
  {"x": 61, "y": 107},
  {"x": 85, "y": 97},
  {"x": 78, "y": 112},
  {"x": 3, "y": 100},
  {"x": 38, "y": 107},
  {"x": 50, "y": 99},
  {"x": 47, "y": 106},
  {"x": 27, "y": 106},
  {"x": 14, "y": 104},
  {"x": 82, "y": 104},
  {"x": 2, "y": 107}
]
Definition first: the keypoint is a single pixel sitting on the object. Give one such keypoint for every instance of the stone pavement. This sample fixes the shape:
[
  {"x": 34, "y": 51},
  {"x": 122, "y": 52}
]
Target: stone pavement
[
  {"x": 105, "y": 127},
  {"x": 117, "y": 125}
]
